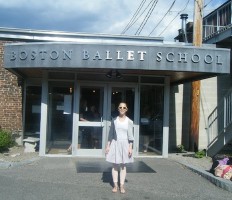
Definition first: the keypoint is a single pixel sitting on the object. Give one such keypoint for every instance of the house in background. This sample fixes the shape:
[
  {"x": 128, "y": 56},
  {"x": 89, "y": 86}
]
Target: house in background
[
  {"x": 218, "y": 30},
  {"x": 217, "y": 97}
]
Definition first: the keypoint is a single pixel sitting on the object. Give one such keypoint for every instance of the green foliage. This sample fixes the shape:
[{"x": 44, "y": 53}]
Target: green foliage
[
  {"x": 200, "y": 154},
  {"x": 5, "y": 140},
  {"x": 180, "y": 148}
]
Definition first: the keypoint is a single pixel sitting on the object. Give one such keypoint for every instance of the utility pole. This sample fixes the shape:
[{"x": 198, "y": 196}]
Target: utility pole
[{"x": 196, "y": 85}]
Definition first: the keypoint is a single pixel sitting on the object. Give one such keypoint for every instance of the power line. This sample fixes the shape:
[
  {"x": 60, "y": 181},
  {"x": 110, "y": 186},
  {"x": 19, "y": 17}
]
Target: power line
[
  {"x": 163, "y": 17},
  {"x": 207, "y": 3},
  {"x": 134, "y": 16},
  {"x": 175, "y": 17},
  {"x": 146, "y": 17},
  {"x": 135, "y": 20}
]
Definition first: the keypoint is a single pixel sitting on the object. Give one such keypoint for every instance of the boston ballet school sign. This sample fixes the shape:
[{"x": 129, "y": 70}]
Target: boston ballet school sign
[{"x": 160, "y": 57}]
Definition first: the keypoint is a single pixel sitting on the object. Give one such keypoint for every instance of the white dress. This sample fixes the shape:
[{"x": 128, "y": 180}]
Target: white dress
[{"x": 119, "y": 148}]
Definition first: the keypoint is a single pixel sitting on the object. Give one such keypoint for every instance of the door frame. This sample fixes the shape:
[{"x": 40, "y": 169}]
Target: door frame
[
  {"x": 44, "y": 115},
  {"x": 77, "y": 123},
  {"x": 106, "y": 121},
  {"x": 51, "y": 85}
]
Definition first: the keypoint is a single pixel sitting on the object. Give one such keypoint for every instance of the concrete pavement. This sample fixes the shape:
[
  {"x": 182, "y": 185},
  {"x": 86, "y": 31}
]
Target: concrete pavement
[
  {"x": 220, "y": 182},
  {"x": 90, "y": 178}
]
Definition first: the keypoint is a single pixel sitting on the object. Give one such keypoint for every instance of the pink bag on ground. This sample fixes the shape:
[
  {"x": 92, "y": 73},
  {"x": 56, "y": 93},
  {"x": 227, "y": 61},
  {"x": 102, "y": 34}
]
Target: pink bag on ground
[{"x": 224, "y": 171}]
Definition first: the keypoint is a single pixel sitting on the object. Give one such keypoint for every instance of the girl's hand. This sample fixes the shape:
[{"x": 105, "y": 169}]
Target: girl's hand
[
  {"x": 130, "y": 151},
  {"x": 107, "y": 149}
]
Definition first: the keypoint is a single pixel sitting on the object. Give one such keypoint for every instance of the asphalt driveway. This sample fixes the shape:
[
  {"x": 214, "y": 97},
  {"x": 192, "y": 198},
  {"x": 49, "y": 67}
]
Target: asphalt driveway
[{"x": 90, "y": 178}]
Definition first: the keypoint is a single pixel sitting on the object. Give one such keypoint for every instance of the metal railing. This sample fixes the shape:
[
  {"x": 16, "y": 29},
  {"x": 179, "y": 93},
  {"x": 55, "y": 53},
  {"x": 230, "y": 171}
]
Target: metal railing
[
  {"x": 217, "y": 21},
  {"x": 220, "y": 119},
  {"x": 212, "y": 30}
]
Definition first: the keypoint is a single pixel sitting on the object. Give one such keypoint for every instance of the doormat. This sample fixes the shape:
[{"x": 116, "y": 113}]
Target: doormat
[{"x": 102, "y": 167}]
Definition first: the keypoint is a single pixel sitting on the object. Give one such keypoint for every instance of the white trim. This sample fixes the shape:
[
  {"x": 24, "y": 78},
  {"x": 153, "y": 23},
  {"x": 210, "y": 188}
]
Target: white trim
[
  {"x": 136, "y": 120},
  {"x": 43, "y": 117},
  {"x": 166, "y": 118},
  {"x": 75, "y": 119},
  {"x": 88, "y": 152}
]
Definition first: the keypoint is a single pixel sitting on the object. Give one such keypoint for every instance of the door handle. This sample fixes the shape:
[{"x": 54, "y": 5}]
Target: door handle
[{"x": 102, "y": 124}]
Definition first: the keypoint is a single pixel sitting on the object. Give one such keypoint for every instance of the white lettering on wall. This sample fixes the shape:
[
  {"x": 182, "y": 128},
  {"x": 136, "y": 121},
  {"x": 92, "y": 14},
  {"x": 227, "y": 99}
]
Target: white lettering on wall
[
  {"x": 33, "y": 55},
  {"x": 195, "y": 58},
  {"x": 13, "y": 56},
  {"x": 219, "y": 62},
  {"x": 43, "y": 53},
  {"x": 159, "y": 56},
  {"x": 119, "y": 55},
  {"x": 67, "y": 54},
  {"x": 182, "y": 56},
  {"x": 208, "y": 59},
  {"x": 97, "y": 56},
  {"x": 85, "y": 55},
  {"x": 170, "y": 57},
  {"x": 108, "y": 55},
  {"x": 130, "y": 55},
  {"x": 166, "y": 57},
  {"x": 142, "y": 53},
  {"x": 23, "y": 55},
  {"x": 54, "y": 55}
]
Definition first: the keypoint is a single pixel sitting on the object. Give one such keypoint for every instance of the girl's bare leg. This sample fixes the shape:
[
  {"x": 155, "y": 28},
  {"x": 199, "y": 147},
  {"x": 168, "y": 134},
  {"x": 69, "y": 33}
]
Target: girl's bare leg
[
  {"x": 122, "y": 178},
  {"x": 115, "y": 177}
]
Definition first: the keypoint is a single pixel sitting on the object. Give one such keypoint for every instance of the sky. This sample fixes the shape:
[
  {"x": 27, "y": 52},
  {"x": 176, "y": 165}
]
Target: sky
[{"x": 101, "y": 16}]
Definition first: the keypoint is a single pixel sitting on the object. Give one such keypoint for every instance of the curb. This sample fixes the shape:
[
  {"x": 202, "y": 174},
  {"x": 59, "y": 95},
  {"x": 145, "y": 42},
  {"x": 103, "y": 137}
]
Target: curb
[
  {"x": 220, "y": 182},
  {"x": 7, "y": 164}
]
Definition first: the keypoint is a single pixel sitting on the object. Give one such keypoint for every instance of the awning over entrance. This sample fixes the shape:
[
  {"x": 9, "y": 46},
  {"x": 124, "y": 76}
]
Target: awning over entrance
[{"x": 182, "y": 62}]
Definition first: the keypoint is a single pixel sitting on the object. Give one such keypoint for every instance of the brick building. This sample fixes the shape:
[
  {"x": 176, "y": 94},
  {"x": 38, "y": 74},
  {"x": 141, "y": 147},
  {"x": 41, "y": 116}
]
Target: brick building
[{"x": 10, "y": 98}]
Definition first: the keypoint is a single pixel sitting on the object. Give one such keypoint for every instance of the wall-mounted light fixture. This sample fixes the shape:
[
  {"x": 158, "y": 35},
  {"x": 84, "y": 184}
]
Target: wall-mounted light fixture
[
  {"x": 109, "y": 74},
  {"x": 113, "y": 73},
  {"x": 118, "y": 74}
]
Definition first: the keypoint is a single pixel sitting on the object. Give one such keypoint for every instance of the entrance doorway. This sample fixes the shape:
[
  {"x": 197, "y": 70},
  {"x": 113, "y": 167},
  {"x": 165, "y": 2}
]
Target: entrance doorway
[
  {"x": 97, "y": 105},
  {"x": 94, "y": 108},
  {"x": 60, "y": 117},
  {"x": 91, "y": 108},
  {"x": 151, "y": 120},
  {"x": 80, "y": 115}
]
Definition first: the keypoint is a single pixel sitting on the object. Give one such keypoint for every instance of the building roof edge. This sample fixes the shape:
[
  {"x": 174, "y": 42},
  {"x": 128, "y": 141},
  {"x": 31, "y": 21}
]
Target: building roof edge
[{"x": 47, "y": 35}]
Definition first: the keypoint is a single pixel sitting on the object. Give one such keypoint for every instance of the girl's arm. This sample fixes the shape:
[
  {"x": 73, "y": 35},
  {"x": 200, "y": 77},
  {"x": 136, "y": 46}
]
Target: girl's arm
[{"x": 110, "y": 136}]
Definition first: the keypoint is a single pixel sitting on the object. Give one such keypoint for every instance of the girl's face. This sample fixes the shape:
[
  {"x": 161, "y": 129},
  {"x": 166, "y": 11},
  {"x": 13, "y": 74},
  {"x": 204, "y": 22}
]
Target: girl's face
[{"x": 122, "y": 108}]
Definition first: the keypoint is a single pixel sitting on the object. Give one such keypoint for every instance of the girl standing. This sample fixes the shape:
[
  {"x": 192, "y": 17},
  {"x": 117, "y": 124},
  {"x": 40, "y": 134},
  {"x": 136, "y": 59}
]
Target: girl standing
[{"x": 119, "y": 146}]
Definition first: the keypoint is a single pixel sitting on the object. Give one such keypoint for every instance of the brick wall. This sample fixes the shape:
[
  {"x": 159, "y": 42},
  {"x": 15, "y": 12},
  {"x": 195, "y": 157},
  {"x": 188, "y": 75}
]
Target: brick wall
[{"x": 10, "y": 98}]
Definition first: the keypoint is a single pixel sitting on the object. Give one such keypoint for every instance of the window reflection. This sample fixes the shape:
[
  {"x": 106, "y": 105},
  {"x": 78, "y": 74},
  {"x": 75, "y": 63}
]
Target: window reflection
[
  {"x": 90, "y": 137},
  {"x": 33, "y": 110},
  {"x": 151, "y": 120},
  {"x": 91, "y": 104},
  {"x": 90, "y": 110}
]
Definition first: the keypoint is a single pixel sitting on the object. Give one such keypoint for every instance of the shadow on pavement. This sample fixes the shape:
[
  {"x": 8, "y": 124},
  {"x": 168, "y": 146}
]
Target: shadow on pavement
[{"x": 102, "y": 167}]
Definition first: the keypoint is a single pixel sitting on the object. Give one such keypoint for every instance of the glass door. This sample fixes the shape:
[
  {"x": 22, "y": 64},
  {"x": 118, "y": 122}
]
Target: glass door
[
  {"x": 60, "y": 117},
  {"x": 32, "y": 111},
  {"x": 129, "y": 94},
  {"x": 91, "y": 108},
  {"x": 120, "y": 94},
  {"x": 96, "y": 106},
  {"x": 151, "y": 120}
]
